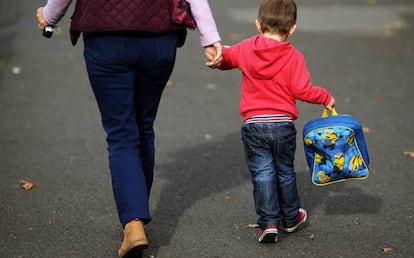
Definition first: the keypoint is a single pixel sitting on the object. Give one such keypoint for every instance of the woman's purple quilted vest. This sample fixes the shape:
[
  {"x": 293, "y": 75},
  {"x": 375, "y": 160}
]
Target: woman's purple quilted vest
[{"x": 115, "y": 15}]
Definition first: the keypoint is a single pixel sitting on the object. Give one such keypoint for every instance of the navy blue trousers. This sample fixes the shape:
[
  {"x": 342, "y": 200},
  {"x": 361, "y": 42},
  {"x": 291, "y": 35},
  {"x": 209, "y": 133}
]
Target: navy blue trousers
[{"x": 128, "y": 73}]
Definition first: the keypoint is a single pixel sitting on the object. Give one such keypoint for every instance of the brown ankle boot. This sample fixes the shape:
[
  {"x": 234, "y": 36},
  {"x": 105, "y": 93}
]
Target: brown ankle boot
[{"x": 134, "y": 241}]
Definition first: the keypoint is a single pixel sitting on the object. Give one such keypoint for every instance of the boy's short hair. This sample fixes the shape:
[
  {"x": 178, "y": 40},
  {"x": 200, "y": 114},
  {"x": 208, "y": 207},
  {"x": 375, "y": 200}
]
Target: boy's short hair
[{"x": 277, "y": 16}]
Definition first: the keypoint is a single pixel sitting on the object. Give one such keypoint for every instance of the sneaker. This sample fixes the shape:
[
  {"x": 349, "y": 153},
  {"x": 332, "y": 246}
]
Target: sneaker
[
  {"x": 303, "y": 215},
  {"x": 268, "y": 235}
]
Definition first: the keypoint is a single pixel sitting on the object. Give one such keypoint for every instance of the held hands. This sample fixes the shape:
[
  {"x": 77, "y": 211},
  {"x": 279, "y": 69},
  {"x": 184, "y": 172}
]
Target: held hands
[
  {"x": 40, "y": 18},
  {"x": 331, "y": 104},
  {"x": 214, "y": 55}
]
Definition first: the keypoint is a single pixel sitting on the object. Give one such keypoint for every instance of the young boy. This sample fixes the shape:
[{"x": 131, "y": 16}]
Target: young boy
[{"x": 274, "y": 76}]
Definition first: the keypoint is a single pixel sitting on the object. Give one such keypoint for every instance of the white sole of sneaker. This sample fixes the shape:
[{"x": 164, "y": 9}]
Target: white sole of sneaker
[
  {"x": 269, "y": 236},
  {"x": 292, "y": 229}
]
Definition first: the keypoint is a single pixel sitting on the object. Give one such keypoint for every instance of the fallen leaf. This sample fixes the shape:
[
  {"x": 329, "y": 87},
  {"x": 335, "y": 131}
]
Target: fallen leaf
[
  {"x": 312, "y": 237},
  {"x": 227, "y": 197},
  {"x": 386, "y": 249},
  {"x": 26, "y": 185},
  {"x": 366, "y": 129},
  {"x": 409, "y": 154}
]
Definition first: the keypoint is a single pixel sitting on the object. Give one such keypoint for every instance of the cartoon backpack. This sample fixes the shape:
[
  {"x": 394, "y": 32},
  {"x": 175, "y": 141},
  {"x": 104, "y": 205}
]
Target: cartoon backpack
[{"x": 335, "y": 149}]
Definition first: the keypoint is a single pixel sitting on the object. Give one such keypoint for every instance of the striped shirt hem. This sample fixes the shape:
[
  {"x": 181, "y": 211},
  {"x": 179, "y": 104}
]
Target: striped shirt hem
[{"x": 268, "y": 119}]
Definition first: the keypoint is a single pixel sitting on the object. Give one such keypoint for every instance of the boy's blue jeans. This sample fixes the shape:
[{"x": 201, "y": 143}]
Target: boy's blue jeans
[
  {"x": 128, "y": 74},
  {"x": 270, "y": 153}
]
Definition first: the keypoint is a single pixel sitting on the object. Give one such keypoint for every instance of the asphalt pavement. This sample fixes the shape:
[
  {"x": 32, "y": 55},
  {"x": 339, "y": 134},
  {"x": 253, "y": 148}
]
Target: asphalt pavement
[{"x": 201, "y": 202}]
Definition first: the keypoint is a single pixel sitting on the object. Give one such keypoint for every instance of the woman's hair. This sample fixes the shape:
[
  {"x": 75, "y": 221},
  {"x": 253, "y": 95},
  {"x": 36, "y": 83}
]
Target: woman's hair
[{"x": 277, "y": 16}]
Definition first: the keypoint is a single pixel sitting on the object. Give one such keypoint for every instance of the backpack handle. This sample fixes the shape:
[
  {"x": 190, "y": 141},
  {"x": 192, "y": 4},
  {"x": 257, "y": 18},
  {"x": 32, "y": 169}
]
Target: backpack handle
[{"x": 325, "y": 112}]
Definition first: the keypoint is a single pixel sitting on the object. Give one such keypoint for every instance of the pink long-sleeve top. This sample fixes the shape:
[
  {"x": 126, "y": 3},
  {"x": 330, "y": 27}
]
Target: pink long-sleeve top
[{"x": 206, "y": 26}]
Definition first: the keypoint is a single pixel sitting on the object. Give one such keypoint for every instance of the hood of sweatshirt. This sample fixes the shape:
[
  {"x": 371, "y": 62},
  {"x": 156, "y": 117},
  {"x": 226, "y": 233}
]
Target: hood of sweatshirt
[{"x": 269, "y": 57}]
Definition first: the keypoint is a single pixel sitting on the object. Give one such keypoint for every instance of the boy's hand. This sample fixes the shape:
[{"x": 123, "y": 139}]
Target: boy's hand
[
  {"x": 214, "y": 55},
  {"x": 331, "y": 104}
]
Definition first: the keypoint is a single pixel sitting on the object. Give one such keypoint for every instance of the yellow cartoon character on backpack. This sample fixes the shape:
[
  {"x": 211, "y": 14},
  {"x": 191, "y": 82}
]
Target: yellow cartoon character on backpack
[
  {"x": 339, "y": 161},
  {"x": 323, "y": 177},
  {"x": 329, "y": 138},
  {"x": 350, "y": 139},
  {"x": 355, "y": 163}
]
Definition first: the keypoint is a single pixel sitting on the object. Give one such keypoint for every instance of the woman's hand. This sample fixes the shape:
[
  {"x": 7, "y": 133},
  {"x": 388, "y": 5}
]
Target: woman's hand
[
  {"x": 214, "y": 54},
  {"x": 40, "y": 19}
]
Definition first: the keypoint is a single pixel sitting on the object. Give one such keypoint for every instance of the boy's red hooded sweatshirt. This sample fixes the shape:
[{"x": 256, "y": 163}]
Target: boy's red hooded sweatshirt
[{"x": 274, "y": 75}]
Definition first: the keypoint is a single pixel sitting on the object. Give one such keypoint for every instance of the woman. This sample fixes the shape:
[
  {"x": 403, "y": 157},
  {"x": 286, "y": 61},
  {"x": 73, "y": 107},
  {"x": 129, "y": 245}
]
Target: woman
[{"x": 129, "y": 50}]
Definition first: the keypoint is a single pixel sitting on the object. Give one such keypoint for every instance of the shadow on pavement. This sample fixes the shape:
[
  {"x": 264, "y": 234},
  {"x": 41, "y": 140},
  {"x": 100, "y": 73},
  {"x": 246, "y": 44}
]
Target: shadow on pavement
[
  {"x": 196, "y": 173},
  {"x": 204, "y": 170}
]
